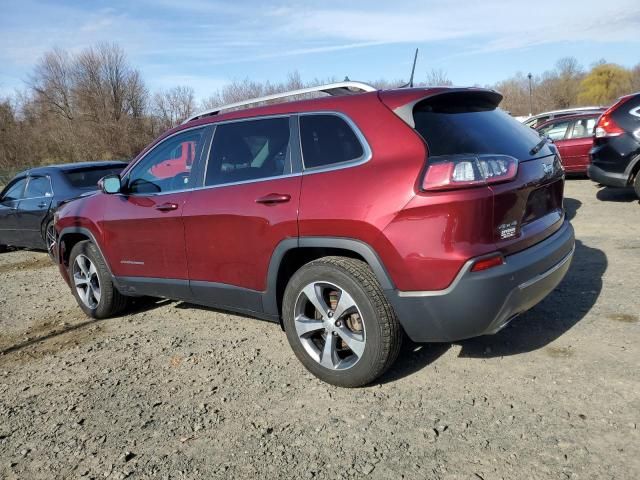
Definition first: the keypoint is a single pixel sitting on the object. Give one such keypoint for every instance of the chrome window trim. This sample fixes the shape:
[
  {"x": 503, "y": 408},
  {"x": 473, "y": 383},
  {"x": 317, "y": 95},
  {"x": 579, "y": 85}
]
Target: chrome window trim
[
  {"x": 364, "y": 158},
  {"x": 367, "y": 154},
  {"x": 133, "y": 166},
  {"x": 246, "y": 119},
  {"x": 29, "y": 177}
]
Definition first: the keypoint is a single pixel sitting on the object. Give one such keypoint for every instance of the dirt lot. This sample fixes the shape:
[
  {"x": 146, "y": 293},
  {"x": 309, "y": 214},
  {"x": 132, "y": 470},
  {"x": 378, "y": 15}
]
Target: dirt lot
[{"x": 175, "y": 391}]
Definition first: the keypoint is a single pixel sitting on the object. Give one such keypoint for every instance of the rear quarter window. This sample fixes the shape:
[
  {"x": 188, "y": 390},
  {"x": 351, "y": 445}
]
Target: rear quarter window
[{"x": 328, "y": 140}]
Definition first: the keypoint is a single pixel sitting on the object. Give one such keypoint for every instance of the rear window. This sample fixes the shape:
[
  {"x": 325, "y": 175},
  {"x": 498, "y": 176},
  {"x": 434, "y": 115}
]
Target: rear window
[
  {"x": 452, "y": 126},
  {"x": 88, "y": 177}
]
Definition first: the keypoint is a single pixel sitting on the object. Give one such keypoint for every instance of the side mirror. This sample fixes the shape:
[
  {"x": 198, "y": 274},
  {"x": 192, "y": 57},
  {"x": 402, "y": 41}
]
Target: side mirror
[{"x": 110, "y": 184}]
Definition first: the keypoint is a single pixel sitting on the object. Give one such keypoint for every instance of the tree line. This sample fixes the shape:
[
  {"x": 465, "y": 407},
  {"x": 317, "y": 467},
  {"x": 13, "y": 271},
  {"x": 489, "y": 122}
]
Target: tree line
[{"x": 94, "y": 105}]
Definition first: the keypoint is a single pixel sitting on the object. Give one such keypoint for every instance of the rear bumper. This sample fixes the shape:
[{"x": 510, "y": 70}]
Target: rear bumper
[
  {"x": 609, "y": 179},
  {"x": 480, "y": 303}
]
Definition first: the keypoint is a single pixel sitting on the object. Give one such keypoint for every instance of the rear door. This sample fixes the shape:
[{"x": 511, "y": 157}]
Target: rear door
[
  {"x": 249, "y": 203},
  {"x": 8, "y": 208},
  {"x": 574, "y": 149},
  {"x": 33, "y": 209},
  {"x": 143, "y": 231}
]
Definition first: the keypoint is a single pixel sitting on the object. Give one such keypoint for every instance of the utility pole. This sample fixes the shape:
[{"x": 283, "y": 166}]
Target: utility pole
[{"x": 530, "y": 96}]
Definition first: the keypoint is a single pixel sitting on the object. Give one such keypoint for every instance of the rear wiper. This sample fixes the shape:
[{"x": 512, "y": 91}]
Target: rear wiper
[{"x": 539, "y": 146}]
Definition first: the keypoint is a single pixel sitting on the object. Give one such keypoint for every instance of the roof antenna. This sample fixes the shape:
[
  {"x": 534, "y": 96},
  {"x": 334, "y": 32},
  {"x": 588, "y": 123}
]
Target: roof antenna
[{"x": 413, "y": 70}]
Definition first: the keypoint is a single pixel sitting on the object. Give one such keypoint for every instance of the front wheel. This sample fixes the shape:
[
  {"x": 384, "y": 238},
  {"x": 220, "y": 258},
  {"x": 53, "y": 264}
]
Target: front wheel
[
  {"x": 636, "y": 184},
  {"x": 339, "y": 323},
  {"x": 91, "y": 282}
]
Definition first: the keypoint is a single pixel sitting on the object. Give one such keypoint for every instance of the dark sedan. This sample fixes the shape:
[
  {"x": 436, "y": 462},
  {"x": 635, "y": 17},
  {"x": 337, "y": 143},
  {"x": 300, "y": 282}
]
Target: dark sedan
[{"x": 27, "y": 203}]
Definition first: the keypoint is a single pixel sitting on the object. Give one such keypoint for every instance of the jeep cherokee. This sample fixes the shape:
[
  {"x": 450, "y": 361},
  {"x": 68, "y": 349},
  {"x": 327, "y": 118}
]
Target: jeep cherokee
[{"x": 348, "y": 219}]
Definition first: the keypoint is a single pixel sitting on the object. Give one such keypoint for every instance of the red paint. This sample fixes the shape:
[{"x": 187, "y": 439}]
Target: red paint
[
  {"x": 574, "y": 152},
  {"x": 227, "y": 234},
  {"x": 230, "y": 237}
]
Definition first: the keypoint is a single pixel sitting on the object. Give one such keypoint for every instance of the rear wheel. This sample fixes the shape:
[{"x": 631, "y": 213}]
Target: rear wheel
[
  {"x": 3, "y": 248},
  {"x": 339, "y": 323},
  {"x": 91, "y": 282}
]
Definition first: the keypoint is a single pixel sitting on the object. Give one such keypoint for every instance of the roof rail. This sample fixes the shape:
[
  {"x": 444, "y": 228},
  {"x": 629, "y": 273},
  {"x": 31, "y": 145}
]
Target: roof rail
[{"x": 335, "y": 89}]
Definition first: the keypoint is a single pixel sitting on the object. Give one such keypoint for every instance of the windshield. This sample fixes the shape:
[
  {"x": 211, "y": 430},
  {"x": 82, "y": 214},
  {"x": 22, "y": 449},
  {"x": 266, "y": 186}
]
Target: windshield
[
  {"x": 87, "y": 178},
  {"x": 451, "y": 128}
]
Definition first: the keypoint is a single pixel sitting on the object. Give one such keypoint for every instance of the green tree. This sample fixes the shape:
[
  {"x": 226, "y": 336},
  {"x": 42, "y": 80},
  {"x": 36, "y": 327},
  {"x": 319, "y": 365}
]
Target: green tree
[{"x": 604, "y": 84}]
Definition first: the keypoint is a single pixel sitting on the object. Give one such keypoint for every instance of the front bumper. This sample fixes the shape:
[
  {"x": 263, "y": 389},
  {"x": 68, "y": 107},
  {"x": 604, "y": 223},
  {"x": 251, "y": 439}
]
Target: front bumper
[
  {"x": 480, "y": 303},
  {"x": 610, "y": 179}
]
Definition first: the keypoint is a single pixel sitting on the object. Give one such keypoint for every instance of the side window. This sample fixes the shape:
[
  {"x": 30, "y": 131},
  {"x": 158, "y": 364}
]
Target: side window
[
  {"x": 168, "y": 166},
  {"x": 249, "y": 150},
  {"x": 15, "y": 191},
  {"x": 582, "y": 128},
  {"x": 556, "y": 131},
  {"x": 38, "y": 187},
  {"x": 327, "y": 140}
]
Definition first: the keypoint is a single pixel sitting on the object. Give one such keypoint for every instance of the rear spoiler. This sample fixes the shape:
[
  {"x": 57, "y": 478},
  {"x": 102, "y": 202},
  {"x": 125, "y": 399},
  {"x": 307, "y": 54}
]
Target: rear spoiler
[{"x": 402, "y": 102}]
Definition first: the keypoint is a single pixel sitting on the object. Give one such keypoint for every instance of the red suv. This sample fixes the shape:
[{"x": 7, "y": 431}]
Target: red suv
[{"x": 348, "y": 219}]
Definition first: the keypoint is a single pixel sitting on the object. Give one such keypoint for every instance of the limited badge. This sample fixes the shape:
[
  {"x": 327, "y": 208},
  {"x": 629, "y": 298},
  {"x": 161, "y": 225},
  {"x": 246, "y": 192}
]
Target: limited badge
[{"x": 508, "y": 230}]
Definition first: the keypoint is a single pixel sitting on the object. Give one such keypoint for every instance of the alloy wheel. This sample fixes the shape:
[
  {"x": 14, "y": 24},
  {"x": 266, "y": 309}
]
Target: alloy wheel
[
  {"x": 86, "y": 281},
  {"x": 50, "y": 238},
  {"x": 329, "y": 325}
]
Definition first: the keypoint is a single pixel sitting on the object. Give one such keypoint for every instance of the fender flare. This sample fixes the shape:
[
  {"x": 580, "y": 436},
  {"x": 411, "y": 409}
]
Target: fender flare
[
  {"x": 632, "y": 164},
  {"x": 84, "y": 231},
  {"x": 270, "y": 301}
]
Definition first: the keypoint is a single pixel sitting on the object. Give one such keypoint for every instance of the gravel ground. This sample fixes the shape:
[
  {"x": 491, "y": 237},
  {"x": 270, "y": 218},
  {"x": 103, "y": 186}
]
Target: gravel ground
[{"x": 176, "y": 391}]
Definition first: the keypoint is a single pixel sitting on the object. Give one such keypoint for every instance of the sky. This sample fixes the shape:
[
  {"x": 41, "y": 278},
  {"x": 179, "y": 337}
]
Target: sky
[{"x": 206, "y": 44}]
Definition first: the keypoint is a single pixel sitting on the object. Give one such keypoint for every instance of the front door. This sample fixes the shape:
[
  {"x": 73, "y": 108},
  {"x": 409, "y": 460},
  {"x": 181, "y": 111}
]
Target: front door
[
  {"x": 9, "y": 200},
  {"x": 142, "y": 227},
  {"x": 249, "y": 203},
  {"x": 33, "y": 209}
]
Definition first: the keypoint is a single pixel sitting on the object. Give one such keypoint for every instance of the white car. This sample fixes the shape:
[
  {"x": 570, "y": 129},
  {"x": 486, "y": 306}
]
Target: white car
[{"x": 540, "y": 118}]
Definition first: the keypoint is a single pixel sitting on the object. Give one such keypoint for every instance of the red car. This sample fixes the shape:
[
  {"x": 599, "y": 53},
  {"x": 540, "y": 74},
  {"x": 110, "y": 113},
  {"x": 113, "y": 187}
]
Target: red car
[
  {"x": 348, "y": 219},
  {"x": 573, "y": 135}
]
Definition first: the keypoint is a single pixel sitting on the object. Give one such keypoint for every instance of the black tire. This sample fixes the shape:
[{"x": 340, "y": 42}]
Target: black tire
[
  {"x": 381, "y": 336},
  {"x": 636, "y": 184},
  {"x": 110, "y": 301},
  {"x": 48, "y": 231},
  {"x": 3, "y": 248}
]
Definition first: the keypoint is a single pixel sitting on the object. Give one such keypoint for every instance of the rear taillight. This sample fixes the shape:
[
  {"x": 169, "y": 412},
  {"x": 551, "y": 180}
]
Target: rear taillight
[
  {"x": 464, "y": 171},
  {"x": 607, "y": 126}
]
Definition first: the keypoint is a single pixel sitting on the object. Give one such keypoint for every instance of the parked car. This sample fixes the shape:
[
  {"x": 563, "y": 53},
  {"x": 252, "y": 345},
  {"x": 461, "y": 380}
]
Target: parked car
[
  {"x": 541, "y": 118},
  {"x": 27, "y": 203},
  {"x": 347, "y": 218},
  {"x": 573, "y": 135},
  {"x": 615, "y": 157}
]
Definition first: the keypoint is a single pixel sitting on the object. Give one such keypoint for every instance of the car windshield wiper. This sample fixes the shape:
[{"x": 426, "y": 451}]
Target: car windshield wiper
[{"x": 538, "y": 146}]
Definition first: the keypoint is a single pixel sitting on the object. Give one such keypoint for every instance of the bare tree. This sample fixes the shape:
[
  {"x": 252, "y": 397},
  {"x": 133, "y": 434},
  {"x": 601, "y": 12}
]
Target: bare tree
[
  {"x": 174, "y": 106},
  {"x": 437, "y": 78},
  {"x": 53, "y": 83}
]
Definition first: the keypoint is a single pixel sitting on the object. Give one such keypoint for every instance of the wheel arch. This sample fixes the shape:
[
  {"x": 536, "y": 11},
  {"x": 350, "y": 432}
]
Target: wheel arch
[
  {"x": 70, "y": 236},
  {"x": 633, "y": 169},
  {"x": 292, "y": 253}
]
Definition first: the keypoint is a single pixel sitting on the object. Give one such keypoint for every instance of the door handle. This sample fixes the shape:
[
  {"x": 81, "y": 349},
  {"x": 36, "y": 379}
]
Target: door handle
[
  {"x": 42, "y": 204},
  {"x": 167, "y": 207},
  {"x": 274, "y": 198}
]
